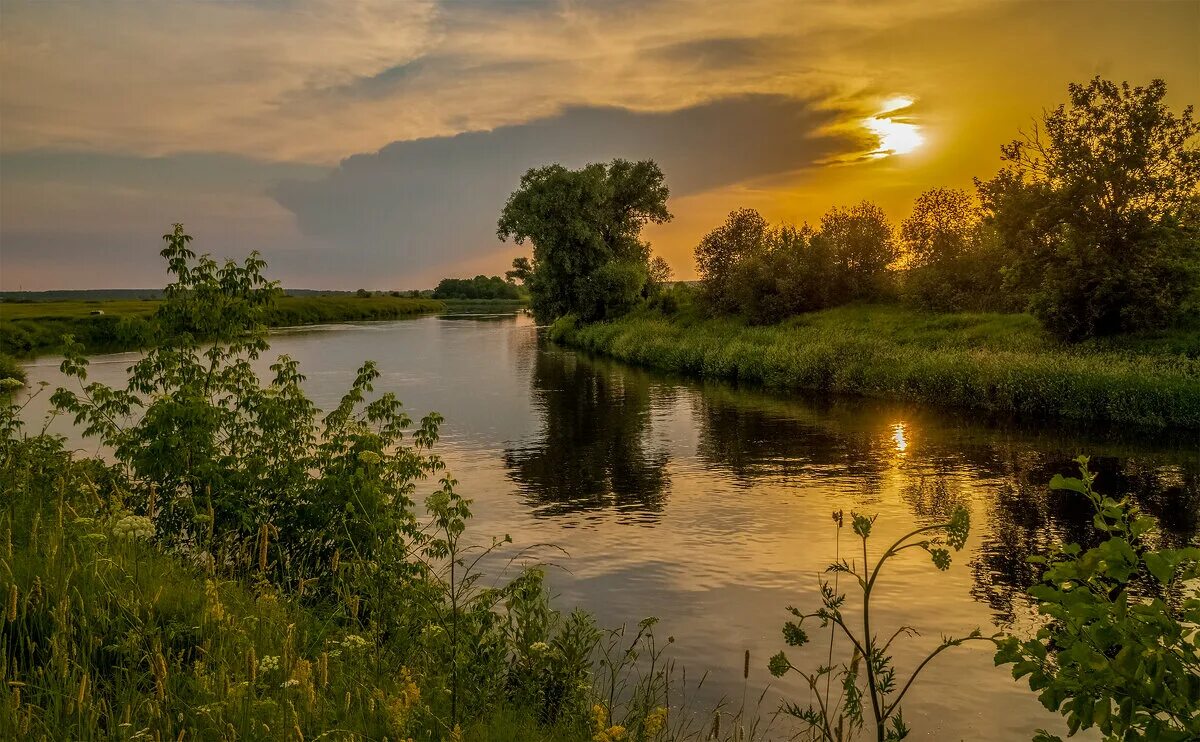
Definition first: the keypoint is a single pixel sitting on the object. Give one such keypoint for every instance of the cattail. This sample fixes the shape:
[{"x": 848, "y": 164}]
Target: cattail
[
  {"x": 746, "y": 666},
  {"x": 323, "y": 669},
  {"x": 347, "y": 701},
  {"x": 337, "y": 558},
  {"x": 150, "y": 504},
  {"x": 83, "y": 687},
  {"x": 252, "y": 665},
  {"x": 12, "y": 604},
  {"x": 354, "y": 606},
  {"x": 299, "y": 734},
  {"x": 716, "y": 734},
  {"x": 264, "y": 538}
]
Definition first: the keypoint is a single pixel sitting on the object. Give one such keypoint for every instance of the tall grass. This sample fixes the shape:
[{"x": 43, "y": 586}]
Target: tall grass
[
  {"x": 1003, "y": 364},
  {"x": 106, "y": 636}
]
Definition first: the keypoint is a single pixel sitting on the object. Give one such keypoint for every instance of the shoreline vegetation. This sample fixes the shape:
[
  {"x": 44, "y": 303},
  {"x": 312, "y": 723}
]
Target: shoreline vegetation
[
  {"x": 1003, "y": 364},
  {"x": 1067, "y": 285},
  {"x": 28, "y": 329}
]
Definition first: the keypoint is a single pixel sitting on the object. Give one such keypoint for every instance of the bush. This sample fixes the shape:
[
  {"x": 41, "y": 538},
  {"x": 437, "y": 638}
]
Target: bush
[{"x": 1120, "y": 650}]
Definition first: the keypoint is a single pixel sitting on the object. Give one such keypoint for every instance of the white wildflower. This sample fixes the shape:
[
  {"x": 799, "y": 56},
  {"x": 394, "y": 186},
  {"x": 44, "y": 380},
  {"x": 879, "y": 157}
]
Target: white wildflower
[{"x": 134, "y": 526}]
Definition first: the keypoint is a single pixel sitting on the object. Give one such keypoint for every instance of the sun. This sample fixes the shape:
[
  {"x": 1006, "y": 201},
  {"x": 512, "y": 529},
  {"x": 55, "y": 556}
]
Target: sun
[{"x": 897, "y": 136}]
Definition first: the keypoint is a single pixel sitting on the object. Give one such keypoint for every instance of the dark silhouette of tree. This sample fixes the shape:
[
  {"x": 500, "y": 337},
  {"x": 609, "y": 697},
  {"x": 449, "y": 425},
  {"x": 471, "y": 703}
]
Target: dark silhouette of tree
[
  {"x": 585, "y": 226},
  {"x": 479, "y": 287},
  {"x": 1099, "y": 207},
  {"x": 954, "y": 263},
  {"x": 721, "y": 251},
  {"x": 864, "y": 247}
]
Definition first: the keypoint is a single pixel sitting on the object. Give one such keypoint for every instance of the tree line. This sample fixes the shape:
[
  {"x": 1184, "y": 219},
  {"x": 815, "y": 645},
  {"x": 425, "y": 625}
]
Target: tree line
[
  {"x": 1091, "y": 224},
  {"x": 479, "y": 287}
]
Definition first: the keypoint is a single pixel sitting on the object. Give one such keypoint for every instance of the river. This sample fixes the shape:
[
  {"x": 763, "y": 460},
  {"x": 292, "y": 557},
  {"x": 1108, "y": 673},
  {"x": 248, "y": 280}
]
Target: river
[{"x": 710, "y": 507}]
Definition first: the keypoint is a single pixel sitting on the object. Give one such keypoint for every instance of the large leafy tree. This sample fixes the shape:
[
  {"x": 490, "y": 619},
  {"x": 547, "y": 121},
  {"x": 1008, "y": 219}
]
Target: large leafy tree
[
  {"x": 721, "y": 252},
  {"x": 585, "y": 226},
  {"x": 864, "y": 246},
  {"x": 1099, "y": 206},
  {"x": 954, "y": 263}
]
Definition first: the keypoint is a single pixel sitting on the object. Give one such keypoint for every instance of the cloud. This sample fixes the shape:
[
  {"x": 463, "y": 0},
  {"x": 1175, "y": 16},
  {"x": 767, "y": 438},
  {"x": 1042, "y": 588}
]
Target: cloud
[{"x": 429, "y": 201}]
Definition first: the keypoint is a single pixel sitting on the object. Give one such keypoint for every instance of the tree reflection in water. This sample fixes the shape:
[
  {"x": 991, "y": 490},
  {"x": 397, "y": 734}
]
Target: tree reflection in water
[
  {"x": 596, "y": 449},
  {"x": 593, "y": 450}
]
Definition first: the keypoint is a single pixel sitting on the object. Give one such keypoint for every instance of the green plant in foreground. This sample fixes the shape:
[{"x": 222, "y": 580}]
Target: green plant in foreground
[
  {"x": 866, "y": 688},
  {"x": 1121, "y": 650}
]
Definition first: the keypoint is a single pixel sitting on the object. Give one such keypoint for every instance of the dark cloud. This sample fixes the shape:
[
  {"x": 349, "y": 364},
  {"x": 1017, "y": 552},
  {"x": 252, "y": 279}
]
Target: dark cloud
[
  {"x": 432, "y": 201},
  {"x": 717, "y": 53}
]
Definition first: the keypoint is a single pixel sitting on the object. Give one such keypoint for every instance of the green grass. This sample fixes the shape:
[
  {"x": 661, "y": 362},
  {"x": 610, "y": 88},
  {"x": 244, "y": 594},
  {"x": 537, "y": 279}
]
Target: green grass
[
  {"x": 33, "y": 328},
  {"x": 999, "y": 363},
  {"x": 105, "y": 636}
]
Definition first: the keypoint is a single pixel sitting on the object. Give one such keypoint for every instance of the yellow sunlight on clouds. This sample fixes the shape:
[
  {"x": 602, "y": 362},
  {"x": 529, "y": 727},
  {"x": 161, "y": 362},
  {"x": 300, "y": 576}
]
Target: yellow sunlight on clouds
[{"x": 897, "y": 136}]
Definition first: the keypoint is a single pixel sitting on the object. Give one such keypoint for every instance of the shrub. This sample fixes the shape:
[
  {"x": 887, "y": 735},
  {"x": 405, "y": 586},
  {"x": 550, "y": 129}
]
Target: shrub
[{"x": 1120, "y": 650}]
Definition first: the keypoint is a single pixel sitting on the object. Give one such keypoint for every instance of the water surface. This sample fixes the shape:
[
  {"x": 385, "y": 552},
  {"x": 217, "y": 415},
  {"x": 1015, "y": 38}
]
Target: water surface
[{"x": 710, "y": 506}]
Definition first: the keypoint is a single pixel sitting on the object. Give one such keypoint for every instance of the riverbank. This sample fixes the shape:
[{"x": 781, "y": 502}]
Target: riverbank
[
  {"x": 997, "y": 363},
  {"x": 34, "y": 328},
  {"x": 101, "y": 623}
]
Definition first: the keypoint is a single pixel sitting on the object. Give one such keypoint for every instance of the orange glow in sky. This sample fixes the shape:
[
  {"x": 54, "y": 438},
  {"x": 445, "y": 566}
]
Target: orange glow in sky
[{"x": 896, "y": 136}]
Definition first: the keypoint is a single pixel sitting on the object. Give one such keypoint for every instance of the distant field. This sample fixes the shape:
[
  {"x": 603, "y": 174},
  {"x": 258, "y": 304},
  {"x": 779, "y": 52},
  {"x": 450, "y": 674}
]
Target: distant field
[{"x": 30, "y": 328}]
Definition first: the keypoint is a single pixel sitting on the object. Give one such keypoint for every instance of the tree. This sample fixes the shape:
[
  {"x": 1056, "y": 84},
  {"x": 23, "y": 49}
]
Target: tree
[
  {"x": 954, "y": 263},
  {"x": 585, "y": 226},
  {"x": 1099, "y": 207},
  {"x": 479, "y": 287},
  {"x": 940, "y": 227},
  {"x": 864, "y": 247},
  {"x": 720, "y": 251}
]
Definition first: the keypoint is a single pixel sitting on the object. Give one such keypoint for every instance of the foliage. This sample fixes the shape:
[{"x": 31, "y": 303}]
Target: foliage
[
  {"x": 479, "y": 287},
  {"x": 723, "y": 250},
  {"x": 1004, "y": 364},
  {"x": 1121, "y": 648},
  {"x": 198, "y": 432},
  {"x": 864, "y": 248},
  {"x": 954, "y": 263},
  {"x": 770, "y": 273},
  {"x": 585, "y": 226},
  {"x": 842, "y": 691},
  {"x": 1099, "y": 210},
  {"x": 12, "y": 376}
]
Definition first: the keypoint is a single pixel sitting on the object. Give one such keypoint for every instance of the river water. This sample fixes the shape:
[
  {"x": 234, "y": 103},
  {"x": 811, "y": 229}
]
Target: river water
[{"x": 710, "y": 507}]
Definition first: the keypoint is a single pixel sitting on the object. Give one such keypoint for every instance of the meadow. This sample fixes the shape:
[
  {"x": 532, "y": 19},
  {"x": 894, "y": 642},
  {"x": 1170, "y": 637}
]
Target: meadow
[
  {"x": 32, "y": 328},
  {"x": 1004, "y": 364}
]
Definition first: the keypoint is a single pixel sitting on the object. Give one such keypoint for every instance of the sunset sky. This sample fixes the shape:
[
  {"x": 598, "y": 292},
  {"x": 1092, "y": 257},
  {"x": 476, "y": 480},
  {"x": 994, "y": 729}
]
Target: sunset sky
[{"x": 364, "y": 143}]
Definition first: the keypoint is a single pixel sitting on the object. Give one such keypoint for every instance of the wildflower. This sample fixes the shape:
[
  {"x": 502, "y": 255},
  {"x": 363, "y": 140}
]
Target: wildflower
[
  {"x": 369, "y": 457},
  {"x": 353, "y": 642},
  {"x": 655, "y": 721},
  {"x": 289, "y": 683},
  {"x": 9, "y": 383},
  {"x": 134, "y": 527},
  {"x": 539, "y": 647},
  {"x": 268, "y": 663}
]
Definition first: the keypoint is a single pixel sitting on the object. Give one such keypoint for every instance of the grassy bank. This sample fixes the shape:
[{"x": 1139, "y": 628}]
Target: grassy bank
[
  {"x": 106, "y": 636},
  {"x": 33, "y": 328},
  {"x": 999, "y": 363}
]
